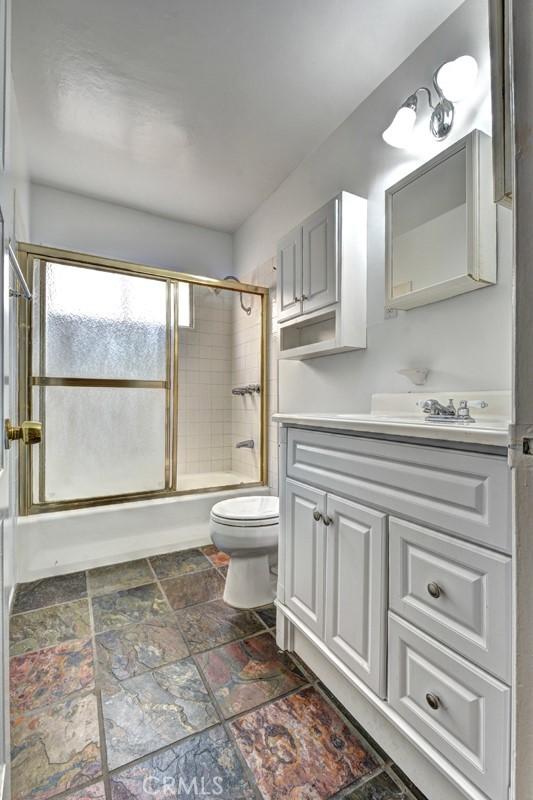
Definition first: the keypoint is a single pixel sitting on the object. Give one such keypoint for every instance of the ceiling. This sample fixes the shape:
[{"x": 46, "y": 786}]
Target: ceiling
[{"x": 198, "y": 109}]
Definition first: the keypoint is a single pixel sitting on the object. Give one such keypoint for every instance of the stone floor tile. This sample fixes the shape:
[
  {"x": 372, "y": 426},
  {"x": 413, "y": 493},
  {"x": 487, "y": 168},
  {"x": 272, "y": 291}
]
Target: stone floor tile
[
  {"x": 299, "y": 747},
  {"x": 248, "y": 673},
  {"x": 55, "y": 749},
  {"x": 155, "y": 709},
  {"x": 49, "y": 591},
  {"x": 211, "y": 624},
  {"x": 49, "y": 626}
]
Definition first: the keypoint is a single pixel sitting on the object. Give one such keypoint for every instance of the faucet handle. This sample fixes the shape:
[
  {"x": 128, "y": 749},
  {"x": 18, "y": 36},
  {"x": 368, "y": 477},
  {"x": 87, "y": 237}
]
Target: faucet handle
[{"x": 476, "y": 403}]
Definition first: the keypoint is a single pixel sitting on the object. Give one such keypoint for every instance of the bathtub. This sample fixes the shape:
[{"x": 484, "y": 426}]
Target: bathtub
[{"x": 67, "y": 541}]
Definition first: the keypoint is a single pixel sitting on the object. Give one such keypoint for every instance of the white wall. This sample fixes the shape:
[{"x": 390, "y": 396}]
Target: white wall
[
  {"x": 84, "y": 224},
  {"x": 458, "y": 338}
]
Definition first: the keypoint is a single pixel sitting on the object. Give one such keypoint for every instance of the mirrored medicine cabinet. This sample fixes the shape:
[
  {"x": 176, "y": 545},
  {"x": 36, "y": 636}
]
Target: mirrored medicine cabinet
[{"x": 441, "y": 226}]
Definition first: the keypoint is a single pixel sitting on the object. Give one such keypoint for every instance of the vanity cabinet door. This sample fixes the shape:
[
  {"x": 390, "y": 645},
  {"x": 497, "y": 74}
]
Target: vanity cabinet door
[
  {"x": 305, "y": 557},
  {"x": 356, "y": 589},
  {"x": 289, "y": 268},
  {"x": 320, "y": 258}
]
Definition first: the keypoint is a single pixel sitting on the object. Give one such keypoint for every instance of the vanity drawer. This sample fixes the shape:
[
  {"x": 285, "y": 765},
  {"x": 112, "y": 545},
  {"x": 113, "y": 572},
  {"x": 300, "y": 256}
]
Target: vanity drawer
[
  {"x": 459, "y": 709},
  {"x": 456, "y": 591},
  {"x": 465, "y": 493}
]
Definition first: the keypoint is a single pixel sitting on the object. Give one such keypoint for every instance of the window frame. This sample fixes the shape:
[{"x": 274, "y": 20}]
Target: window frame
[{"x": 26, "y": 254}]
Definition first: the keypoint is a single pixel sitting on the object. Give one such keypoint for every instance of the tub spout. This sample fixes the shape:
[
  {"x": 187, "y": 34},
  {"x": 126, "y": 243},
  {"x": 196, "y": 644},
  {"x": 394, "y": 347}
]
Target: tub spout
[{"x": 247, "y": 443}]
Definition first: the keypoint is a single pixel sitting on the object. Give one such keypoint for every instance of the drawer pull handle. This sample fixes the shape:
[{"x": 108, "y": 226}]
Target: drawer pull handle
[
  {"x": 434, "y": 589},
  {"x": 433, "y": 701},
  {"x": 317, "y": 516}
]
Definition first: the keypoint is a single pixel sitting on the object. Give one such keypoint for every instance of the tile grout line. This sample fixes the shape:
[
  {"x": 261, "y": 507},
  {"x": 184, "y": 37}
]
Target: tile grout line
[
  {"x": 52, "y": 605},
  {"x": 246, "y": 769},
  {"x": 99, "y": 699},
  {"x": 359, "y": 784},
  {"x": 238, "y": 715}
]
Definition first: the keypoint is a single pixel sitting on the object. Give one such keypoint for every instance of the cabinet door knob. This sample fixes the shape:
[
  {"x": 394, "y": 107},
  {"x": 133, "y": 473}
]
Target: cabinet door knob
[
  {"x": 304, "y": 297},
  {"x": 328, "y": 521},
  {"x": 317, "y": 516},
  {"x": 433, "y": 701},
  {"x": 297, "y": 299},
  {"x": 434, "y": 589}
]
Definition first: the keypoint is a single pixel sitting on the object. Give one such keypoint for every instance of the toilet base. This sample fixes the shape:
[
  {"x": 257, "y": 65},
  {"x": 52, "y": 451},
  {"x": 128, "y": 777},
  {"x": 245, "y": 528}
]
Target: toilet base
[{"x": 248, "y": 583}]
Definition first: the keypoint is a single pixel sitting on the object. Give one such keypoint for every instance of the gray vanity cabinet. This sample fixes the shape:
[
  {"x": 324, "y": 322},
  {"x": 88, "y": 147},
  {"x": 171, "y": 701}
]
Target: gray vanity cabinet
[
  {"x": 335, "y": 576},
  {"x": 395, "y": 562},
  {"x": 356, "y": 589},
  {"x": 305, "y": 555}
]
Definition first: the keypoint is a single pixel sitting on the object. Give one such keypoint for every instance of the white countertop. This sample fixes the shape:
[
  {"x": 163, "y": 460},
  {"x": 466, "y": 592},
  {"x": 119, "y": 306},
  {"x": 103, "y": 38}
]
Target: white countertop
[{"x": 403, "y": 418}]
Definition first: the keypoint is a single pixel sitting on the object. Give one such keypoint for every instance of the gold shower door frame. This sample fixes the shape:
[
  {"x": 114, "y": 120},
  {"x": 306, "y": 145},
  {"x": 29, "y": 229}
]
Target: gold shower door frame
[{"x": 27, "y": 253}]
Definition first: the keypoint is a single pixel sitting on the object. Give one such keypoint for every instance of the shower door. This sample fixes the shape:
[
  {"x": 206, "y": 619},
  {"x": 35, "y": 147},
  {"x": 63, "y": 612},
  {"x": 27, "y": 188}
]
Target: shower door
[
  {"x": 149, "y": 383},
  {"x": 101, "y": 384}
]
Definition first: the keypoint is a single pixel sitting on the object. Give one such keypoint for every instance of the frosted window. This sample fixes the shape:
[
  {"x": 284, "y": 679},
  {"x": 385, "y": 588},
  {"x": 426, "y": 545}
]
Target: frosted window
[
  {"x": 104, "y": 325},
  {"x": 185, "y": 310},
  {"x": 101, "y": 441}
]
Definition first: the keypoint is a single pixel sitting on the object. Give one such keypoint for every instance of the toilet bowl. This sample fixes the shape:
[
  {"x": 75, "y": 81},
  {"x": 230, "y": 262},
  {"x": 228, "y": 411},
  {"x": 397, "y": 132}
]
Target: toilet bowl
[{"x": 246, "y": 529}]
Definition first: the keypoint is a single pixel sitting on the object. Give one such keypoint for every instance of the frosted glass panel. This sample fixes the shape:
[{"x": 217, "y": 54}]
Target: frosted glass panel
[
  {"x": 104, "y": 324},
  {"x": 101, "y": 441}
]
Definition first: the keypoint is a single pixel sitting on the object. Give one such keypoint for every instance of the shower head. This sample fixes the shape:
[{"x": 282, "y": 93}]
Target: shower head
[{"x": 246, "y": 309}]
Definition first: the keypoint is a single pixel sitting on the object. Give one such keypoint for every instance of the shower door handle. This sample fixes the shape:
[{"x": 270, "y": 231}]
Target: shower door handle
[{"x": 31, "y": 432}]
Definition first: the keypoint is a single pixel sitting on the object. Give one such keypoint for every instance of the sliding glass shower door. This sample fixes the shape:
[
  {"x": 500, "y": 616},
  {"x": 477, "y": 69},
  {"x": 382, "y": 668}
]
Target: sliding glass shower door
[
  {"x": 148, "y": 383},
  {"x": 100, "y": 383}
]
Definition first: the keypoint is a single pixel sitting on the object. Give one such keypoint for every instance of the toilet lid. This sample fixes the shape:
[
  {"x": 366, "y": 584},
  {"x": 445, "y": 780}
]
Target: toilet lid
[{"x": 247, "y": 509}]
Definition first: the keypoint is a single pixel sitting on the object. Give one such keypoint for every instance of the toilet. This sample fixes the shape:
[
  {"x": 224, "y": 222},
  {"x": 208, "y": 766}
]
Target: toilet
[{"x": 246, "y": 529}]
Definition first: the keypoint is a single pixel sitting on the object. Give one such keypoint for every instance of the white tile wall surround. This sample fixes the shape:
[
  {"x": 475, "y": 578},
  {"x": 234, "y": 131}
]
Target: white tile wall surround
[
  {"x": 222, "y": 351},
  {"x": 246, "y": 363},
  {"x": 204, "y": 386}
]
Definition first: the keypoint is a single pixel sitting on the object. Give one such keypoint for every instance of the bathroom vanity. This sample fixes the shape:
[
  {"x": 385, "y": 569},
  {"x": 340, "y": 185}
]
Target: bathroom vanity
[{"x": 395, "y": 585}]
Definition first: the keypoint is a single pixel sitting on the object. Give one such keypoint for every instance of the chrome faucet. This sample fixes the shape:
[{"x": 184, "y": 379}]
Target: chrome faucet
[
  {"x": 246, "y": 443},
  {"x": 436, "y": 412},
  {"x": 436, "y": 409}
]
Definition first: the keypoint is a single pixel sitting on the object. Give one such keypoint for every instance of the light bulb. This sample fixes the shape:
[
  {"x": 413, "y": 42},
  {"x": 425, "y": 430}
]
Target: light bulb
[
  {"x": 399, "y": 131},
  {"x": 456, "y": 79}
]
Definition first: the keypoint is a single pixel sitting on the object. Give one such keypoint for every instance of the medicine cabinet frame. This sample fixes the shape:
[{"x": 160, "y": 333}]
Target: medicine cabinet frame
[{"x": 481, "y": 226}]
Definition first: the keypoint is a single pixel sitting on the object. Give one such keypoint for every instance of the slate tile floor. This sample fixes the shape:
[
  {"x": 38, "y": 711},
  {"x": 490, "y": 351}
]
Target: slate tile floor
[{"x": 137, "y": 681}]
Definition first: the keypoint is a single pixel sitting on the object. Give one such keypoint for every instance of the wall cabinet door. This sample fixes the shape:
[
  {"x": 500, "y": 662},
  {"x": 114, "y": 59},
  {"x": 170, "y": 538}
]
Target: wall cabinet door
[
  {"x": 289, "y": 269},
  {"x": 320, "y": 258},
  {"x": 305, "y": 554},
  {"x": 356, "y": 589}
]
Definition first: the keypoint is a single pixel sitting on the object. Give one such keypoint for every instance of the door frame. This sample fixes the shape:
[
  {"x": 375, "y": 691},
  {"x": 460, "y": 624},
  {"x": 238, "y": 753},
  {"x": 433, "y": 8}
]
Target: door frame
[{"x": 522, "y": 427}]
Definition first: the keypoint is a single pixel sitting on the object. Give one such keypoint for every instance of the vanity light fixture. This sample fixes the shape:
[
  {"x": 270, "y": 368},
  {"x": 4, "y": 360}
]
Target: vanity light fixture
[{"x": 452, "y": 82}]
